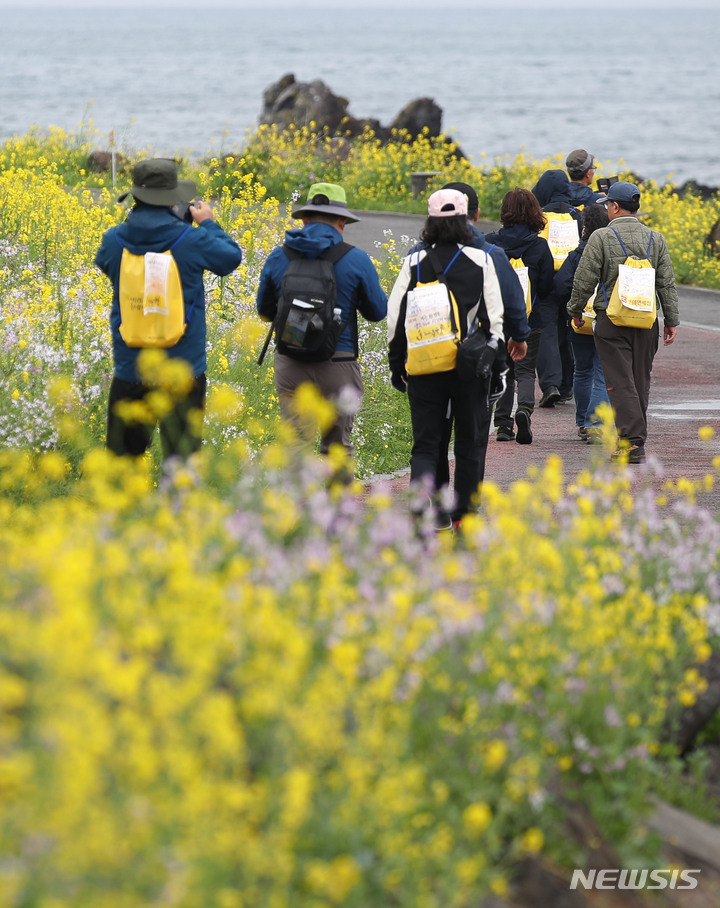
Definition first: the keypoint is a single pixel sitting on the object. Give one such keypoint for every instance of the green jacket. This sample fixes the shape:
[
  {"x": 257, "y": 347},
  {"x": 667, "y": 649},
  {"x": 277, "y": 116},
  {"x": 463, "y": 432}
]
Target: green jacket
[{"x": 602, "y": 255}]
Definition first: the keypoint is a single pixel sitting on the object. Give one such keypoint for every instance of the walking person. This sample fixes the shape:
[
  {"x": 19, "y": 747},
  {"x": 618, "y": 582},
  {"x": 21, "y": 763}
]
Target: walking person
[
  {"x": 626, "y": 352},
  {"x": 562, "y": 231},
  {"x": 588, "y": 379},
  {"x": 522, "y": 220},
  {"x": 336, "y": 375},
  {"x": 447, "y": 256},
  {"x": 580, "y": 165},
  {"x": 152, "y": 227},
  {"x": 515, "y": 326}
]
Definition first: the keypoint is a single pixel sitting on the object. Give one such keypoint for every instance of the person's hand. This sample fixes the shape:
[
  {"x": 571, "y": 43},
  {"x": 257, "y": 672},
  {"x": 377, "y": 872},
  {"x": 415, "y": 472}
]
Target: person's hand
[
  {"x": 517, "y": 349},
  {"x": 578, "y": 321},
  {"x": 201, "y": 211},
  {"x": 398, "y": 379},
  {"x": 669, "y": 334}
]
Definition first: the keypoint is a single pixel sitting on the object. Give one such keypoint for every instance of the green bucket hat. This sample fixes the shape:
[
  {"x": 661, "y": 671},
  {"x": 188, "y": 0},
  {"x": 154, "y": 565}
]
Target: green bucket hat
[
  {"x": 155, "y": 182},
  {"x": 326, "y": 198}
]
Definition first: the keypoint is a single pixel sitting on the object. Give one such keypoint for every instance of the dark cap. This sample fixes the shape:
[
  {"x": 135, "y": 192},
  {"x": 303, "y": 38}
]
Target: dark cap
[
  {"x": 155, "y": 182},
  {"x": 580, "y": 160},
  {"x": 466, "y": 189},
  {"x": 623, "y": 192}
]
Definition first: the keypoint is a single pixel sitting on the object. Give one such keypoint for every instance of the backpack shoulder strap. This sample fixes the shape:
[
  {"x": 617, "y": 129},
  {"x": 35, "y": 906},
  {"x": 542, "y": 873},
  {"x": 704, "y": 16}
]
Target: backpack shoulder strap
[
  {"x": 647, "y": 254},
  {"x": 181, "y": 237},
  {"x": 440, "y": 272},
  {"x": 620, "y": 241},
  {"x": 292, "y": 253},
  {"x": 336, "y": 252},
  {"x": 332, "y": 255},
  {"x": 435, "y": 262}
]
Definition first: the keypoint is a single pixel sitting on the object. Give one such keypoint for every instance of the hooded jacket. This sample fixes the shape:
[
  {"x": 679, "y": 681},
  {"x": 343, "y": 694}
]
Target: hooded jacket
[
  {"x": 151, "y": 228},
  {"x": 580, "y": 194},
  {"x": 520, "y": 242},
  {"x": 552, "y": 191},
  {"x": 358, "y": 285}
]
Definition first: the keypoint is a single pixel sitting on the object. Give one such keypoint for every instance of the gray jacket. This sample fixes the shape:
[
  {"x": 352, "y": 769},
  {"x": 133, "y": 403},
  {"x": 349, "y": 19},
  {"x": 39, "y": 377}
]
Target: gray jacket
[{"x": 603, "y": 254}]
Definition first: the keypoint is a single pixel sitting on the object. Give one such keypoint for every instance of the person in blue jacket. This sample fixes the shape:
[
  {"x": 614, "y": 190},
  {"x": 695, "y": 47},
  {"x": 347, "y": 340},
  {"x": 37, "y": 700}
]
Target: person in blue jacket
[
  {"x": 588, "y": 378},
  {"x": 325, "y": 215},
  {"x": 554, "y": 359},
  {"x": 154, "y": 226}
]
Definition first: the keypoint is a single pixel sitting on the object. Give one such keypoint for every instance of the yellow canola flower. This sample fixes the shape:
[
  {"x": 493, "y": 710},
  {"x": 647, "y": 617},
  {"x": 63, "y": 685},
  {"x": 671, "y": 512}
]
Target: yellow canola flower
[
  {"x": 334, "y": 880},
  {"x": 224, "y": 403},
  {"x": 157, "y": 370},
  {"x": 311, "y": 408},
  {"x": 495, "y": 754},
  {"x": 532, "y": 840},
  {"x": 476, "y": 819}
]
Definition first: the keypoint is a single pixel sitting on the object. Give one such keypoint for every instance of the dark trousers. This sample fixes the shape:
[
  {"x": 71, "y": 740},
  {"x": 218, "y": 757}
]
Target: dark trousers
[
  {"x": 549, "y": 363},
  {"x": 180, "y": 429},
  {"x": 504, "y": 407},
  {"x": 525, "y": 372},
  {"x": 429, "y": 396},
  {"x": 626, "y": 356},
  {"x": 555, "y": 362}
]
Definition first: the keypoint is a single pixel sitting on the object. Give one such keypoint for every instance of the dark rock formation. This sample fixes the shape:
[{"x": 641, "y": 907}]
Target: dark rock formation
[
  {"x": 713, "y": 239},
  {"x": 101, "y": 162},
  {"x": 291, "y": 103},
  {"x": 691, "y": 187},
  {"x": 418, "y": 115}
]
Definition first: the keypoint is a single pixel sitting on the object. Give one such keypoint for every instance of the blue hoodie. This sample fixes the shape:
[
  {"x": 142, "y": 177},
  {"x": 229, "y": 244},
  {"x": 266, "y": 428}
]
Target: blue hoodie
[
  {"x": 358, "y": 285},
  {"x": 553, "y": 192},
  {"x": 150, "y": 228}
]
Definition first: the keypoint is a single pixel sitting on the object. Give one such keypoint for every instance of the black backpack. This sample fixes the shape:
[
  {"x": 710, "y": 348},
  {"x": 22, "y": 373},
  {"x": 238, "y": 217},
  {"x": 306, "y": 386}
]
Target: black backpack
[{"x": 308, "y": 323}]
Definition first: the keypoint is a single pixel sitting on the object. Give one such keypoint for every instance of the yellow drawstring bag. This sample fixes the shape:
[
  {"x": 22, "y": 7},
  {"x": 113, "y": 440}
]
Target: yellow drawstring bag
[
  {"x": 152, "y": 307},
  {"x": 633, "y": 303},
  {"x": 432, "y": 323}
]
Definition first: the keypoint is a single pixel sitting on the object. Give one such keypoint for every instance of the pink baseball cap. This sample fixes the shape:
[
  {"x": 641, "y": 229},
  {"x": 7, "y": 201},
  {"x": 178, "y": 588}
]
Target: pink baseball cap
[{"x": 446, "y": 203}]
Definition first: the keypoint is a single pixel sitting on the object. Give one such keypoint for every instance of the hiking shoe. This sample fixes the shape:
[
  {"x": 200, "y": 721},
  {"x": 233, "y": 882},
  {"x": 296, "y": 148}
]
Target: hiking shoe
[
  {"x": 505, "y": 433},
  {"x": 549, "y": 397},
  {"x": 522, "y": 421},
  {"x": 633, "y": 454},
  {"x": 593, "y": 436},
  {"x": 443, "y": 521},
  {"x": 582, "y": 433}
]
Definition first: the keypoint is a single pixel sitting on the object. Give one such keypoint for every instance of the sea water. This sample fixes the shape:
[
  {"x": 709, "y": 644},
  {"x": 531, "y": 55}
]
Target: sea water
[{"x": 191, "y": 81}]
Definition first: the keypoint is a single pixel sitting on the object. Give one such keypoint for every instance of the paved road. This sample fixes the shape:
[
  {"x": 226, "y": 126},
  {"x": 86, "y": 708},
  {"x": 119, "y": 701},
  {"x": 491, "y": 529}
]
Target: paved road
[{"x": 685, "y": 392}]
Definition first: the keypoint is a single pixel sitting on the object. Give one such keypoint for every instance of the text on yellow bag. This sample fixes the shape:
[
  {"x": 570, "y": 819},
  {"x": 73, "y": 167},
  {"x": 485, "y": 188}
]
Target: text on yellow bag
[
  {"x": 562, "y": 235},
  {"x": 152, "y": 306},
  {"x": 523, "y": 275},
  {"x": 432, "y": 324},
  {"x": 633, "y": 303}
]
